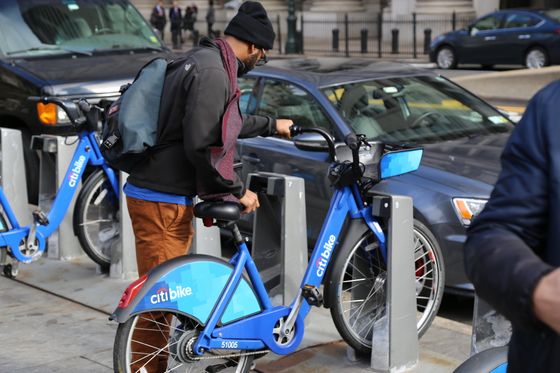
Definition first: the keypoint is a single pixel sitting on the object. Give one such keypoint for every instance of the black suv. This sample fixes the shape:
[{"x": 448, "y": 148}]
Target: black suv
[{"x": 69, "y": 49}]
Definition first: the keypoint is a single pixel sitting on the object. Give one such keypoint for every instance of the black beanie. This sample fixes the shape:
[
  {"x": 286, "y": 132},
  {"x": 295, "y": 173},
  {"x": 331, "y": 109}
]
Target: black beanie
[{"x": 251, "y": 24}]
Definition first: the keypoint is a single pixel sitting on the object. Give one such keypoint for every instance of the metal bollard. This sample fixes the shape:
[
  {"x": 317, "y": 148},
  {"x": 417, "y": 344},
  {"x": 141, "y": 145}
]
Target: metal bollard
[
  {"x": 427, "y": 40},
  {"x": 395, "y": 337},
  {"x": 280, "y": 233},
  {"x": 335, "y": 40},
  {"x": 56, "y": 153},
  {"x": 12, "y": 175},
  {"x": 395, "y": 41},
  {"x": 363, "y": 39}
]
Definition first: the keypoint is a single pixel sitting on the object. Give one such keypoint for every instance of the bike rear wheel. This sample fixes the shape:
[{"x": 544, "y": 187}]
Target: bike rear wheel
[
  {"x": 162, "y": 341},
  {"x": 97, "y": 218},
  {"x": 359, "y": 286}
]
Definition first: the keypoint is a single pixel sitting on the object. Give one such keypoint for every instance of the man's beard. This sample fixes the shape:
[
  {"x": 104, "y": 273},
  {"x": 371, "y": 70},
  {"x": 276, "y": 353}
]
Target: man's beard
[{"x": 249, "y": 64}]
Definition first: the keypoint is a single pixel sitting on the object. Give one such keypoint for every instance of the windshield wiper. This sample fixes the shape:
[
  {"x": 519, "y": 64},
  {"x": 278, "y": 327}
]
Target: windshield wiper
[
  {"x": 45, "y": 48},
  {"x": 128, "y": 48}
]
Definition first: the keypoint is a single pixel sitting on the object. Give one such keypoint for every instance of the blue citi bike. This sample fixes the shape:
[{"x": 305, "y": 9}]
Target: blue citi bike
[
  {"x": 198, "y": 313},
  {"x": 95, "y": 214}
]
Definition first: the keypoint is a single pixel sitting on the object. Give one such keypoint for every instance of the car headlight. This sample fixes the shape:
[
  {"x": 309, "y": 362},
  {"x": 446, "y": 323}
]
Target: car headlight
[
  {"x": 51, "y": 114},
  {"x": 468, "y": 208}
]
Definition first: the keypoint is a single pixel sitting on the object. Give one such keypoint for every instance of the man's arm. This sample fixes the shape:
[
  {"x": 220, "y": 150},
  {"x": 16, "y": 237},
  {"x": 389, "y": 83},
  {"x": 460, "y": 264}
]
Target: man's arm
[
  {"x": 501, "y": 252},
  {"x": 259, "y": 125}
]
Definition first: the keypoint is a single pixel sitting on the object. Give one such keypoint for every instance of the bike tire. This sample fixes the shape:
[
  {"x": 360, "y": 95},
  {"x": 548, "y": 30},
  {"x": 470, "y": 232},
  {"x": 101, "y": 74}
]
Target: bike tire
[
  {"x": 366, "y": 254},
  {"x": 96, "y": 218},
  {"x": 180, "y": 325}
]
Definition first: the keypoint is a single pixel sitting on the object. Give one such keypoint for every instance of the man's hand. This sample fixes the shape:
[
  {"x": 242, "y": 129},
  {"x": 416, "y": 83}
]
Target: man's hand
[
  {"x": 283, "y": 127},
  {"x": 546, "y": 300},
  {"x": 250, "y": 201}
]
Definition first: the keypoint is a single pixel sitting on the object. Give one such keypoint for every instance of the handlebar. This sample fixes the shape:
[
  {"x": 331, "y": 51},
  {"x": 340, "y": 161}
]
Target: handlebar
[
  {"x": 352, "y": 140},
  {"x": 79, "y": 113}
]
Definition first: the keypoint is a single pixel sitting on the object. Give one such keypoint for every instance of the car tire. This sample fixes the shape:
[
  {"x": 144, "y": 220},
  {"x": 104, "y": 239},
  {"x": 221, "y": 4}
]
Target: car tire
[
  {"x": 446, "y": 58},
  {"x": 536, "y": 58}
]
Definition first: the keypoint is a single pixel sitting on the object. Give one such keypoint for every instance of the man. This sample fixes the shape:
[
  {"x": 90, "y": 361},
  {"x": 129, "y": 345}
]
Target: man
[
  {"x": 158, "y": 19},
  {"x": 198, "y": 126},
  {"x": 512, "y": 254},
  {"x": 210, "y": 19},
  {"x": 176, "y": 20}
]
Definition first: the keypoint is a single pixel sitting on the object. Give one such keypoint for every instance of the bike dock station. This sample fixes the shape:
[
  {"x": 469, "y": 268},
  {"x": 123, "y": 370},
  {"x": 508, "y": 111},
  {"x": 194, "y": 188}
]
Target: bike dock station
[
  {"x": 55, "y": 153},
  {"x": 280, "y": 252}
]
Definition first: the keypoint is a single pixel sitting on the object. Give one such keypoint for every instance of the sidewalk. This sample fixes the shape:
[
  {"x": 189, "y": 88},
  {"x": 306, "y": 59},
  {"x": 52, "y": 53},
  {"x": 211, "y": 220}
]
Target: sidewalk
[{"x": 43, "y": 333}]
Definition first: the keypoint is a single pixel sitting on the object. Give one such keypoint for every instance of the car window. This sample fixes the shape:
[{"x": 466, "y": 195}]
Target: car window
[
  {"x": 486, "y": 23},
  {"x": 520, "y": 21},
  {"x": 247, "y": 101},
  {"x": 414, "y": 109},
  {"x": 285, "y": 100},
  {"x": 46, "y": 27}
]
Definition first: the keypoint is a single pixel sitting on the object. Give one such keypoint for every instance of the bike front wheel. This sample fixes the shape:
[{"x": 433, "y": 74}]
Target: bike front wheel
[
  {"x": 162, "y": 342},
  {"x": 97, "y": 218},
  {"x": 359, "y": 285}
]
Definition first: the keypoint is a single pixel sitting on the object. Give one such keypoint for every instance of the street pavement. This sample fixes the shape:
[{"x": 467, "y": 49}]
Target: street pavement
[{"x": 55, "y": 319}]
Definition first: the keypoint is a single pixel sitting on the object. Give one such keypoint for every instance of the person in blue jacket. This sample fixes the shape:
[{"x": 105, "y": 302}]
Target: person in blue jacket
[{"x": 512, "y": 253}]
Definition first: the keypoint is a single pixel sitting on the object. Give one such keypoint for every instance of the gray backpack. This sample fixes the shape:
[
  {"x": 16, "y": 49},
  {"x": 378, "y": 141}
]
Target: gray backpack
[{"x": 130, "y": 128}]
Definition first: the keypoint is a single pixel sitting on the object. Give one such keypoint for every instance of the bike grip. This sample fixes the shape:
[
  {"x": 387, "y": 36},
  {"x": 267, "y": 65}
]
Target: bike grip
[
  {"x": 352, "y": 141},
  {"x": 295, "y": 130},
  {"x": 84, "y": 105}
]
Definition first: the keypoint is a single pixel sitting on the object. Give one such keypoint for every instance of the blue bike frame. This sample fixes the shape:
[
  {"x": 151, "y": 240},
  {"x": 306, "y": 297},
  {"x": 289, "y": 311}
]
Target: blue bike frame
[
  {"x": 87, "y": 152},
  {"x": 255, "y": 332}
]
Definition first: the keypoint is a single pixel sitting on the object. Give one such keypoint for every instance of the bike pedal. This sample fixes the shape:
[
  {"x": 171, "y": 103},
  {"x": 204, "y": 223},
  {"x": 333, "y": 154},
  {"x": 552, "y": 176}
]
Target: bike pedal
[
  {"x": 312, "y": 295},
  {"x": 40, "y": 218}
]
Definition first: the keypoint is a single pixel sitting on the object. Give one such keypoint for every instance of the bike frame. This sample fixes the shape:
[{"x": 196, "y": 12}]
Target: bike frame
[
  {"x": 256, "y": 332},
  {"x": 87, "y": 152}
]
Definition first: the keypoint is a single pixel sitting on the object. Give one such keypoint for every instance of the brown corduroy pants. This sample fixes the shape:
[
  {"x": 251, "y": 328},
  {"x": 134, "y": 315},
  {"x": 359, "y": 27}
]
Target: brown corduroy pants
[{"x": 162, "y": 231}]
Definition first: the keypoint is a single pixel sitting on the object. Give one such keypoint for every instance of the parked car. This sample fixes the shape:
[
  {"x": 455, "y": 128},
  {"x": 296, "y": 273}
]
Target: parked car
[
  {"x": 462, "y": 137},
  {"x": 68, "y": 49},
  {"x": 520, "y": 37}
]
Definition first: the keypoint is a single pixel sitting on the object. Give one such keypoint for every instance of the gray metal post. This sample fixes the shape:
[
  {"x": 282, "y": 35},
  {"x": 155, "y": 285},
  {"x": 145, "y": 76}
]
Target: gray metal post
[
  {"x": 56, "y": 153},
  {"x": 395, "y": 337},
  {"x": 490, "y": 329},
  {"x": 206, "y": 239},
  {"x": 12, "y": 175},
  {"x": 280, "y": 233},
  {"x": 123, "y": 255}
]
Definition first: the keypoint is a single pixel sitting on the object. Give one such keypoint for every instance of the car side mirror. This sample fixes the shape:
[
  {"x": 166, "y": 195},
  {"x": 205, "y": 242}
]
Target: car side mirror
[
  {"x": 311, "y": 142},
  {"x": 472, "y": 30},
  {"x": 399, "y": 162}
]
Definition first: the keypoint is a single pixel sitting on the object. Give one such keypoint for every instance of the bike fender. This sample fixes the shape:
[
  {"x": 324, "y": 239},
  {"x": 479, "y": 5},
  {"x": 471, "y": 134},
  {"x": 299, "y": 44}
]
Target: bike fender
[
  {"x": 354, "y": 229},
  {"x": 191, "y": 285}
]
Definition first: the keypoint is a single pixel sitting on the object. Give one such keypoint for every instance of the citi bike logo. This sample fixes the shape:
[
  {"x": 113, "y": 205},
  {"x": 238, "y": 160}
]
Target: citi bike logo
[
  {"x": 325, "y": 255},
  {"x": 75, "y": 172},
  {"x": 166, "y": 295}
]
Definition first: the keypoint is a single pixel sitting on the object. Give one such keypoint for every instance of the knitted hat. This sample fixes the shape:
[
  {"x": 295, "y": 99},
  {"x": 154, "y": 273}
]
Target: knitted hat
[{"x": 251, "y": 24}]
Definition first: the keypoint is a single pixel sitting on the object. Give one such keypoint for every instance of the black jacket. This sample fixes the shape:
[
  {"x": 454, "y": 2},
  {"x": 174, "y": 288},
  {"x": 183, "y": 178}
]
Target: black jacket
[
  {"x": 194, "y": 98},
  {"x": 516, "y": 239}
]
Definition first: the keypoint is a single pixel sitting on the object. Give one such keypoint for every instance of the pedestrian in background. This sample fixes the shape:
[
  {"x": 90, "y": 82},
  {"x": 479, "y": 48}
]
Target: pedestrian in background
[
  {"x": 198, "y": 127},
  {"x": 158, "y": 18},
  {"x": 176, "y": 21},
  {"x": 189, "y": 21},
  {"x": 512, "y": 253},
  {"x": 210, "y": 18}
]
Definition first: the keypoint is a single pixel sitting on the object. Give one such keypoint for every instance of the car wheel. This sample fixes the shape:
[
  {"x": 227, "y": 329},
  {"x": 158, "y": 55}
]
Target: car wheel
[
  {"x": 446, "y": 58},
  {"x": 536, "y": 58}
]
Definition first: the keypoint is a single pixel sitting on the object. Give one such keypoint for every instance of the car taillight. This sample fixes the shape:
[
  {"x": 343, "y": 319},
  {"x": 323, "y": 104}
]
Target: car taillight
[
  {"x": 131, "y": 291},
  {"x": 557, "y": 31}
]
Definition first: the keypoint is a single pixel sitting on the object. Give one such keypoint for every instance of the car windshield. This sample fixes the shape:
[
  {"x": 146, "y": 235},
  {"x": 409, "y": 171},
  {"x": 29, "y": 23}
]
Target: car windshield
[
  {"x": 46, "y": 27},
  {"x": 414, "y": 110}
]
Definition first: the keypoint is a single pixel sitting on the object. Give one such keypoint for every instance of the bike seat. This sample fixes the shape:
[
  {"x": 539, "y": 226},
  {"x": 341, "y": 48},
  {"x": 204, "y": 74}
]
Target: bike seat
[{"x": 219, "y": 210}]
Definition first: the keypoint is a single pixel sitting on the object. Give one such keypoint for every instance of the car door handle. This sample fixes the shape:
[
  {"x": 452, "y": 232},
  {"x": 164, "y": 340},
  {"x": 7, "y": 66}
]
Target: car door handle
[
  {"x": 524, "y": 37},
  {"x": 250, "y": 159},
  {"x": 489, "y": 38}
]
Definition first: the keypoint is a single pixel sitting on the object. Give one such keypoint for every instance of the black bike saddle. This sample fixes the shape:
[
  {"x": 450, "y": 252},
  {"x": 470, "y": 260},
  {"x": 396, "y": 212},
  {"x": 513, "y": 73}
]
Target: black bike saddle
[{"x": 219, "y": 210}]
